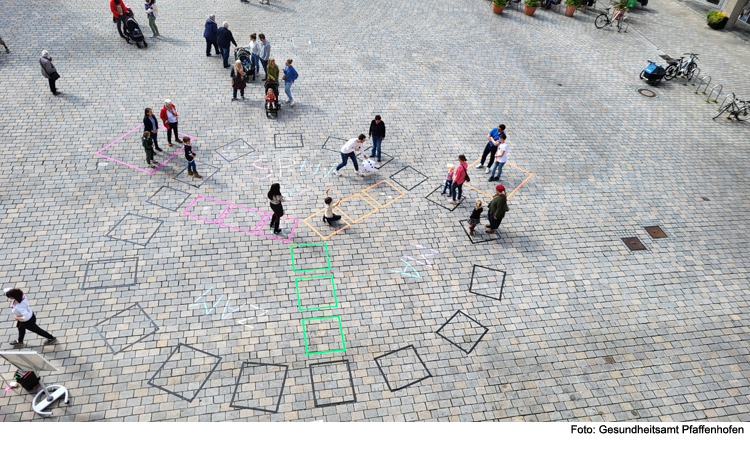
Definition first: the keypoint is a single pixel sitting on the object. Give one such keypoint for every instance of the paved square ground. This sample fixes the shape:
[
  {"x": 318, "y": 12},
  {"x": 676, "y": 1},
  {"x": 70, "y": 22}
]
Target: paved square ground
[{"x": 585, "y": 329}]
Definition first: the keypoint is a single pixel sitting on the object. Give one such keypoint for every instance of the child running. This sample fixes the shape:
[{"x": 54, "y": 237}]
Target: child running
[
  {"x": 474, "y": 219},
  {"x": 270, "y": 99},
  {"x": 449, "y": 179},
  {"x": 329, "y": 217}
]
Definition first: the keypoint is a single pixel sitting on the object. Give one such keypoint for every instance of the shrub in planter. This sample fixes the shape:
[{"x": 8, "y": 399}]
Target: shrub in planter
[
  {"x": 530, "y": 6},
  {"x": 498, "y": 6},
  {"x": 716, "y": 19},
  {"x": 572, "y": 6}
]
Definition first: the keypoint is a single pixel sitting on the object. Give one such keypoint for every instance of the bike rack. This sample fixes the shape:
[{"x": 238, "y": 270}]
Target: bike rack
[
  {"x": 703, "y": 80},
  {"x": 726, "y": 97},
  {"x": 626, "y": 21},
  {"x": 721, "y": 88},
  {"x": 693, "y": 77}
]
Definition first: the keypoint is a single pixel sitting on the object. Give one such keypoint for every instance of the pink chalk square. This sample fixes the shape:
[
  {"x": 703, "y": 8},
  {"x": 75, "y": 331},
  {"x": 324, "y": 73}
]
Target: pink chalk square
[
  {"x": 244, "y": 219},
  {"x": 127, "y": 150},
  {"x": 287, "y": 223},
  {"x": 207, "y": 209}
]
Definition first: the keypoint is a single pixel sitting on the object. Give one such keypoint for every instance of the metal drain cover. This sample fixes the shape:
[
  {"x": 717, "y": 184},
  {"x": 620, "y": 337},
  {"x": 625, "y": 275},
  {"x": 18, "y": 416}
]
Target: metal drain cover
[
  {"x": 634, "y": 243},
  {"x": 647, "y": 93},
  {"x": 656, "y": 232}
]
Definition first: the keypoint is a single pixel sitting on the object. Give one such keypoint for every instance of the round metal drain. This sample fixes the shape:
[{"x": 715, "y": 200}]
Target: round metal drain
[{"x": 647, "y": 92}]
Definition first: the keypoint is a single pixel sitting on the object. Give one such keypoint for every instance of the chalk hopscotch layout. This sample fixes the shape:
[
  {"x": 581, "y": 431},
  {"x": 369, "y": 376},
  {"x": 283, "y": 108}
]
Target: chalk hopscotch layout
[{"x": 237, "y": 217}]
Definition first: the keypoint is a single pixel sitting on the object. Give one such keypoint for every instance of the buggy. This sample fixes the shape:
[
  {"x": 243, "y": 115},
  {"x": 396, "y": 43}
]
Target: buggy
[
  {"x": 133, "y": 32},
  {"x": 244, "y": 55},
  {"x": 653, "y": 73},
  {"x": 271, "y": 112}
]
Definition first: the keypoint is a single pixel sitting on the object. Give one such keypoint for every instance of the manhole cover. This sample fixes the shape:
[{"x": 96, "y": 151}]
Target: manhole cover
[
  {"x": 647, "y": 92},
  {"x": 633, "y": 243},
  {"x": 656, "y": 232}
]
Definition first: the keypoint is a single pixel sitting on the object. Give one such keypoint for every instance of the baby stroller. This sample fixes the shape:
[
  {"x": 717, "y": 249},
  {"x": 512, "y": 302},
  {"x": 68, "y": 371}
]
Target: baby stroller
[
  {"x": 244, "y": 55},
  {"x": 132, "y": 31},
  {"x": 271, "y": 112},
  {"x": 653, "y": 73}
]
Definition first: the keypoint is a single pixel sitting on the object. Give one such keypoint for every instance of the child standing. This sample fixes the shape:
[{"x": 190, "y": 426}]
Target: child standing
[
  {"x": 475, "y": 218},
  {"x": 275, "y": 197},
  {"x": 270, "y": 99},
  {"x": 146, "y": 142},
  {"x": 500, "y": 159},
  {"x": 190, "y": 156},
  {"x": 449, "y": 178},
  {"x": 328, "y": 216}
]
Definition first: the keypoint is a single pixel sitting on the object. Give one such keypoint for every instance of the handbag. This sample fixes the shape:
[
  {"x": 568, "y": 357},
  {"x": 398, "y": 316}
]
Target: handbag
[{"x": 54, "y": 75}]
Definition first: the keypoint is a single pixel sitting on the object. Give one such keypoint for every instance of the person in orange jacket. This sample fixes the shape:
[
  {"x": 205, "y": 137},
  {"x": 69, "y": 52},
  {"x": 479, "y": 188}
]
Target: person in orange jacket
[
  {"x": 168, "y": 115},
  {"x": 118, "y": 14}
]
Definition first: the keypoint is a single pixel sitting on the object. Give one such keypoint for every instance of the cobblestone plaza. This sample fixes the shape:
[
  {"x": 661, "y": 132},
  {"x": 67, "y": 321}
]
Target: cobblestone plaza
[{"x": 173, "y": 300}]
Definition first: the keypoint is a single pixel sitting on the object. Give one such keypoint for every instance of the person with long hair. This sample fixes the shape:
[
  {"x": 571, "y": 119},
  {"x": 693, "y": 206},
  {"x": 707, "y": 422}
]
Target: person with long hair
[
  {"x": 151, "y": 124},
  {"x": 238, "y": 80},
  {"x": 151, "y": 14},
  {"x": 275, "y": 197},
  {"x": 25, "y": 317}
]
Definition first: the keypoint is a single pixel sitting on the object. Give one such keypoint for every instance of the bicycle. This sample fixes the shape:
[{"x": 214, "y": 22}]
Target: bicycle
[
  {"x": 604, "y": 19},
  {"x": 682, "y": 67},
  {"x": 739, "y": 109}
]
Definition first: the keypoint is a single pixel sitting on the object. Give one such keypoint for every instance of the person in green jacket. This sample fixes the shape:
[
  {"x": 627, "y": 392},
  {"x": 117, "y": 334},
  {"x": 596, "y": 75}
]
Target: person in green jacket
[
  {"x": 496, "y": 209},
  {"x": 146, "y": 142},
  {"x": 272, "y": 71}
]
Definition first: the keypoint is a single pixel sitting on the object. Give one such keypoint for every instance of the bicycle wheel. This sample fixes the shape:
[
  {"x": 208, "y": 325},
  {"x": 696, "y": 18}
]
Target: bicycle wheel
[
  {"x": 619, "y": 22},
  {"x": 601, "y": 20},
  {"x": 723, "y": 110},
  {"x": 690, "y": 70},
  {"x": 743, "y": 114},
  {"x": 670, "y": 72}
]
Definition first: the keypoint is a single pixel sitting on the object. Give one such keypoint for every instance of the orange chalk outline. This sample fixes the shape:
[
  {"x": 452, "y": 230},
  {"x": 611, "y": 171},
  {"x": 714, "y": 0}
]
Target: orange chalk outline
[
  {"x": 514, "y": 190},
  {"x": 389, "y": 184},
  {"x": 318, "y": 233},
  {"x": 375, "y": 208}
]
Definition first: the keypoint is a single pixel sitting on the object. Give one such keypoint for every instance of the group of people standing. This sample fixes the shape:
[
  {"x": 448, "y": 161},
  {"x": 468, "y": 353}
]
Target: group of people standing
[{"x": 150, "y": 142}]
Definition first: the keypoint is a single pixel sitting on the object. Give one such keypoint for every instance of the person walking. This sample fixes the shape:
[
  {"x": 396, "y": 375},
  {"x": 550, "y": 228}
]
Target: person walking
[
  {"x": 491, "y": 147},
  {"x": 2, "y": 42},
  {"x": 496, "y": 210},
  {"x": 264, "y": 53},
  {"x": 500, "y": 160},
  {"x": 290, "y": 76},
  {"x": 168, "y": 115},
  {"x": 151, "y": 125},
  {"x": 49, "y": 72},
  {"x": 238, "y": 80},
  {"x": 25, "y": 317},
  {"x": 224, "y": 38},
  {"x": 151, "y": 14},
  {"x": 275, "y": 198},
  {"x": 458, "y": 179},
  {"x": 146, "y": 143},
  {"x": 211, "y": 33},
  {"x": 377, "y": 133},
  {"x": 118, "y": 14},
  {"x": 348, "y": 152},
  {"x": 254, "y": 48}
]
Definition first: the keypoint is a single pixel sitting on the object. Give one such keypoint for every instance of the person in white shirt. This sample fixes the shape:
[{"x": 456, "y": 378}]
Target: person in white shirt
[
  {"x": 501, "y": 157},
  {"x": 25, "y": 317},
  {"x": 254, "y": 49},
  {"x": 349, "y": 151}
]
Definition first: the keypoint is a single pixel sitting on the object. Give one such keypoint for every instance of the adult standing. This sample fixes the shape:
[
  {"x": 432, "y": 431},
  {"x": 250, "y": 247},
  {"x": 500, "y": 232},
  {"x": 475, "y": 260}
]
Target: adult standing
[
  {"x": 377, "y": 133},
  {"x": 275, "y": 198},
  {"x": 497, "y": 208},
  {"x": 118, "y": 14},
  {"x": 272, "y": 71},
  {"x": 211, "y": 33},
  {"x": 290, "y": 76},
  {"x": 254, "y": 49},
  {"x": 224, "y": 39},
  {"x": 500, "y": 160},
  {"x": 264, "y": 53},
  {"x": 169, "y": 116},
  {"x": 25, "y": 317},
  {"x": 493, "y": 140},
  {"x": 151, "y": 125},
  {"x": 458, "y": 179},
  {"x": 349, "y": 151},
  {"x": 238, "y": 80},
  {"x": 151, "y": 14},
  {"x": 49, "y": 72}
]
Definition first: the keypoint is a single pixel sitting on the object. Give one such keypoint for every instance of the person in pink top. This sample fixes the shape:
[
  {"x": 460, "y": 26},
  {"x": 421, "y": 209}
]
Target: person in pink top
[
  {"x": 449, "y": 179},
  {"x": 458, "y": 179}
]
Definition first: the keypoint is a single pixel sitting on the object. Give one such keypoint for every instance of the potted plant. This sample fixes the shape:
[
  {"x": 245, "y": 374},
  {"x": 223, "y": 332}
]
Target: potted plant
[
  {"x": 530, "y": 6},
  {"x": 619, "y": 9},
  {"x": 498, "y": 6},
  {"x": 572, "y": 6},
  {"x": 717, "y": 19}
]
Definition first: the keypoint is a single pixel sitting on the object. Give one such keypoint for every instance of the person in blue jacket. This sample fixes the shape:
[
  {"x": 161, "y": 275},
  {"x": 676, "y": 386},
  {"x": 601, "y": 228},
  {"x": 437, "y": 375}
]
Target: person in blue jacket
[
  {"x": 290, "y": 75},
  {"x": 224, "y": 38},
  {"x": 211, "y": 34}
]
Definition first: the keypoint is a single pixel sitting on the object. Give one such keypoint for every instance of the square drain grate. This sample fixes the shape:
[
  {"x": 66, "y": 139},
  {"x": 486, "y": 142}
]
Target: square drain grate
[
  {"x": 634, "y": 243},
  {"x": 656, "y": 232}
]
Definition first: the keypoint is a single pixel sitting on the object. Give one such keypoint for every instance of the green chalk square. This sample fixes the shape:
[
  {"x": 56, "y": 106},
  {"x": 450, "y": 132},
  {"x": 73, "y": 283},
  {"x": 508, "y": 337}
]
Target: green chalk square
[
  {"x": 341, "y": 332},
  {"x": 313, "y": 308},
  {"x": 328, "y": 257}
]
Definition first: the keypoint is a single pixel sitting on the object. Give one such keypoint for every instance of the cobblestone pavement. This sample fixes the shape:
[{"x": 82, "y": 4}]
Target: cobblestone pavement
[{"x": 167, "y": 310}]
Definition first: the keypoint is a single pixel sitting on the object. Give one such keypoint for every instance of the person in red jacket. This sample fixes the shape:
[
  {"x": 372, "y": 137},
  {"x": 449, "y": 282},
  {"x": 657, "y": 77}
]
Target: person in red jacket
[
  {"x": 168, "y": 115},
  {"x": 118, "y": 14}
]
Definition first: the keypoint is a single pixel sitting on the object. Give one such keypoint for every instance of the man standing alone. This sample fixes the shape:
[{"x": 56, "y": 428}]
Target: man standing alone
[
  {"x": 264, "y": 53},
  {"x": 377, "y": 133}
]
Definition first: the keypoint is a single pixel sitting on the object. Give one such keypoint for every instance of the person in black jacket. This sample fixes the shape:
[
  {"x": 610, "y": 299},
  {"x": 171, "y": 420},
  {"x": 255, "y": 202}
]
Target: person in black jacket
[
  {"x": 151, "y": 124},
  {"x": 210, "y": 33},
  {"x": 224, "y": 38},
  {"x": 377, "y": 133}
]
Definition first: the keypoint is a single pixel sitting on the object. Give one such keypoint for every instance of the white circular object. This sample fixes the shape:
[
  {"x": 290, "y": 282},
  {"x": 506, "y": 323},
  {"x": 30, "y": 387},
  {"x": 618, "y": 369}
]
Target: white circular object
[{"x": 368, "y": 165}]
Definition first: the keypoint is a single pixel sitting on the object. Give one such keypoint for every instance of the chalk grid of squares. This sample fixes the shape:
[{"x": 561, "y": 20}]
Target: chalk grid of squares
[
  {"x": 126, "y": 328},
  {"x": 259, "y": 387},
  {"x": 185, "y": 372},
  {"x": 332, "y": 383},
  {"x": 108, "y": 273},
  {"x": 135, "y": 229},
  {"x": 462, "y": 331},
  {"x": 402, "y": 368}
]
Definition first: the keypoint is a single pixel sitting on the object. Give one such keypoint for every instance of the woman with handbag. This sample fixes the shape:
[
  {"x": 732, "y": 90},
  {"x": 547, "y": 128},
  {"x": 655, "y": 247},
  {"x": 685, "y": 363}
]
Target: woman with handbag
[
  {"x": 238, "y": 80},
  {"x": 49, "y": 72}
]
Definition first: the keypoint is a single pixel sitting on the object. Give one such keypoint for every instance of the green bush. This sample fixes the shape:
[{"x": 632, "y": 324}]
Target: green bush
[
  {"x": 531, "y": 3},
  {"x": 715, "y": 17},
  {"x": 499, "y": 2},
  {"x": 576, "y": 3},
  {"x": 621, "y": 5}
]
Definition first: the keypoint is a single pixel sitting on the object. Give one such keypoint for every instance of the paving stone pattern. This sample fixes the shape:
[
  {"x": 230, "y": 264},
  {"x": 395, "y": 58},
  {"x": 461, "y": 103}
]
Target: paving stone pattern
[{"x": 585, "y": 330}]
